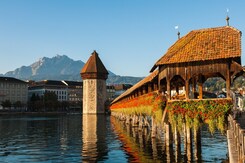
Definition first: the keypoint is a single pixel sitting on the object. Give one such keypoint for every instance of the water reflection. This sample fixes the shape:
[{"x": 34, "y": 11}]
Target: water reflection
[
  {"x": 137, "y": 143},
  {"x": 76, "y": 138},
  {"x": 142, "y": 148},
  {"x": 93, "y": 133}
]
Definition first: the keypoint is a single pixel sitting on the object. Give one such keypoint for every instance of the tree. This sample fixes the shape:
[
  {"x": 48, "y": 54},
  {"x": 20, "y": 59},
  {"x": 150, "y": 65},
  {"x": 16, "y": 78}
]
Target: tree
[
  {"x": 17, "y": 104},
  {"x": 51, "y": 101},
  {"x": 35, "y": 103},
  {"x": 6, "y": 104}
]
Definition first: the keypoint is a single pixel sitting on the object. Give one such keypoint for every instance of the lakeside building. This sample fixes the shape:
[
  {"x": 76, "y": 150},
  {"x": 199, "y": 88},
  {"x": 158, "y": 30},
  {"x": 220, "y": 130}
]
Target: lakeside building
[
  {"x": 121, "y": 88},
  {"x": 110, "y": 92},
  {"x": 40, "y": 87},
  {"x": 70, "y": 91},
  {"x": 14, "y": 90}
]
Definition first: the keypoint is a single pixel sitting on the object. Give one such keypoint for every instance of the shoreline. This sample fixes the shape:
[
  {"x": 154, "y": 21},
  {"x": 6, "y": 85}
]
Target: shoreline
[{"x": 39, "y": 113}]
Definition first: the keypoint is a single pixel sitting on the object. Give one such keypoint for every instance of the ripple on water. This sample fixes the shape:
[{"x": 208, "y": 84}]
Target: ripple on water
[{"x": 63, "y": 139}]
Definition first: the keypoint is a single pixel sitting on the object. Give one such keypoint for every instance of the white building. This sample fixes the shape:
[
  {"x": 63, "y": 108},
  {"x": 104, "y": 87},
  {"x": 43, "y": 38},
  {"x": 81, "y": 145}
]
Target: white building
[{"x": 58, "y": 87}]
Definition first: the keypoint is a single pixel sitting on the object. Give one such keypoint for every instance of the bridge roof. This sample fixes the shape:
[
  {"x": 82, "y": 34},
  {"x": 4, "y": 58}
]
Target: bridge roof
[
  {"x": 204, "y": 44},
  {"x": 147, "y": 79}
]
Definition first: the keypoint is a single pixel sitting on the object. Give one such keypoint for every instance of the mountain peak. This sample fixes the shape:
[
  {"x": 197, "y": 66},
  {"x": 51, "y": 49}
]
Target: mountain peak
[{"x": 60, "y": 67}]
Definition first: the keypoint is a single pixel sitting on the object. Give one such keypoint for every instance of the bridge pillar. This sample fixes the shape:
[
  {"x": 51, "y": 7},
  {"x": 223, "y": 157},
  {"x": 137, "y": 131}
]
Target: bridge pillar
[
  {"x": 188, "y": 143},
  {"x": 168, "y": 134},
  {"x": 197, "y": 144},
  {"x": 153, "y": 128},
  {"x": 177, "y": 141}
]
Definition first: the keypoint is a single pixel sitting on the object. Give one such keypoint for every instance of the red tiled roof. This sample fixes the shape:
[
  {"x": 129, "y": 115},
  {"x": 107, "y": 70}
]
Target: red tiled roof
[
  {"x": 94, "y": 65},
  {"x": 137, "y": 85},
  {"x": 94, "y": 68},
  {"x": 204, "y": 44}
]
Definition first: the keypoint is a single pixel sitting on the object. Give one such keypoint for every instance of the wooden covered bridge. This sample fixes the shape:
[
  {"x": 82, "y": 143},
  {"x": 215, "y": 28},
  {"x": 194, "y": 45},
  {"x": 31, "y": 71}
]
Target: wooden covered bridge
[{"x": 172, "y": 95}]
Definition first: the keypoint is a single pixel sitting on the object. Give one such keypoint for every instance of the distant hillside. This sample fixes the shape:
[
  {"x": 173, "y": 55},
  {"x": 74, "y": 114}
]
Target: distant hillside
[{"x": 61, "y": 67}]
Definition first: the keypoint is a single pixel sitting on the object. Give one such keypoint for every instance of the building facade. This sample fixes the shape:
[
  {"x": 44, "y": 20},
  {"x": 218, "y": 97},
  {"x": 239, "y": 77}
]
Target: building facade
[
  {"x": 40, "y": 87},
  {"x": 14, "y": 90},
  {"x": 70, "y": 91}
]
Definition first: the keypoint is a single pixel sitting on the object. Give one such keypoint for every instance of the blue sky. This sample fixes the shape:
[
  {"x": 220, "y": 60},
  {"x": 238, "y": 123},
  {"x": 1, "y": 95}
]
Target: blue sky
[{"x": 129, "y": 35}]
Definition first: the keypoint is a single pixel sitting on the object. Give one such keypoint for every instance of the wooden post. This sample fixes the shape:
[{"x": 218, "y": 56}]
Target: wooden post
[
  {"x": 153, "y": 128},
  {"x": 149, "y": 87},
  {"x": 168, "y": 89},
  {"x": 177, "y": 141},
  {"x": 187, "y": 89},
  {"x": 228, "y": 81},
  {"x": 135, "y": 94},
  {"x": 155, "y": 86},
  {"x": 187, "y": 78},
  {"x": 200, "y": 89},
  {"x": 168, "y": 142},
  {"x": 139, "y": 92},
  {"x": 185, "y": 142},
  {"x": 193, "y": 86},
  {"x": 189, "y": 143},
  {"x": 154, "y": 148},
  {"x": 143, "y": 90},
  {"x": 168, "y": 134},
  {"x": 197, "y": 143},
  {"x": 140, "y": 123}
]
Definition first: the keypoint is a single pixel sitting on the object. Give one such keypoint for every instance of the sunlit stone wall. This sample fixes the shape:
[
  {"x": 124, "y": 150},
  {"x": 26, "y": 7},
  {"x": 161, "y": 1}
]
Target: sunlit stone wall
[{"x": 94, "y": 96}]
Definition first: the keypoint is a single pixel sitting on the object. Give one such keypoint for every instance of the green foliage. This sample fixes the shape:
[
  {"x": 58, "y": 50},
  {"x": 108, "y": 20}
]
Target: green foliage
[
  {"x": 47, "y": 102},
  {"x": 216, "y": 84},
  {"x": 17, "y": 104},
  {"x": 194, "y": 113},
  {"x": 6, "y": 104},
  {"x": 151, "y": 104}
]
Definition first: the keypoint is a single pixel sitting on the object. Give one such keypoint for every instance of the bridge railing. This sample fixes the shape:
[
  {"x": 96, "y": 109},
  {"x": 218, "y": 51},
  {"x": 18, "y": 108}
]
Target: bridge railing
[{"x": 237, "y": 135}]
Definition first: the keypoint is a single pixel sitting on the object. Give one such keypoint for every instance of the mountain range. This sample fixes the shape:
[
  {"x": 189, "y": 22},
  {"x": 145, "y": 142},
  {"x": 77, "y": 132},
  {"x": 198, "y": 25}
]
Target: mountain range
[{"x": 61, "y": 67}]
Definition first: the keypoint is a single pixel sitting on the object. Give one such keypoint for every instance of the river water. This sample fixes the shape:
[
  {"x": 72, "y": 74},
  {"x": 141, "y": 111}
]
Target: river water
[{"x": 77, "y": 138}]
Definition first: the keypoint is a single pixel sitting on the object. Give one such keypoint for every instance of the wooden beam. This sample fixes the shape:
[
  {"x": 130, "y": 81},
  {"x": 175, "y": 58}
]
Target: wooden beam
[
  {"x": 168, "y": 89},
  {"x": 200, "y": 90},
  {"x": 155, "y": 86},
  {"x": 149, "y": 87},
  {"x": 187, "y": 89},
  {"x": 187, "y": 85},
  {"x": 228, "y": 81},
  {"x": 200, "y": 86},
  {"x": 193, "y": 86}
]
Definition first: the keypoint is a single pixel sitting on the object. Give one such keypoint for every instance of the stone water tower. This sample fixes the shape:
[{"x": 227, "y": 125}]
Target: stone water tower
[{"x": 94, "y": 75}]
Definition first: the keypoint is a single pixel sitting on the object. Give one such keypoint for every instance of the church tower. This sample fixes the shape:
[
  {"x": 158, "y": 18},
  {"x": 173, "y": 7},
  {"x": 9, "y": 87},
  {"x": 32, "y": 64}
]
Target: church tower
[{"x": 94, "y": 75}]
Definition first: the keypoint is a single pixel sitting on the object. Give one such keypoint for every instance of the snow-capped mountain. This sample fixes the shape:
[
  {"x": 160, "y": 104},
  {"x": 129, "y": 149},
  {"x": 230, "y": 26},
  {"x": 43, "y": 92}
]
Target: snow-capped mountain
[
  {"x": 54, "y": 68},
  {"x": 60, "y": 67}
]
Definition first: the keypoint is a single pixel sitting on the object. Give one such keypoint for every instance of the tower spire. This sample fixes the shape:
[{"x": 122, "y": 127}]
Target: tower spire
[
  {"x": 227, "y": 17},
  {"x": 178, "y": 33}
]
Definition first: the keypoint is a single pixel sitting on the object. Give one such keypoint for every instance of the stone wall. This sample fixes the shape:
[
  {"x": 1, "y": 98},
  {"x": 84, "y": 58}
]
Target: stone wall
[{"x": 94, "y": 96}]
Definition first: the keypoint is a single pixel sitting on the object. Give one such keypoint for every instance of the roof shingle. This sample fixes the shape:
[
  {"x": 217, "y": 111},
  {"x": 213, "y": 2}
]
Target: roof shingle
[{"x": 204, "y": 44}]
